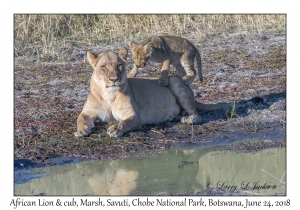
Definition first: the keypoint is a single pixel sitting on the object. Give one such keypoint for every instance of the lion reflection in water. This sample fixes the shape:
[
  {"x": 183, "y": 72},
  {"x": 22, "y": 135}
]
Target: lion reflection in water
[{"x": 113, "y": 182}]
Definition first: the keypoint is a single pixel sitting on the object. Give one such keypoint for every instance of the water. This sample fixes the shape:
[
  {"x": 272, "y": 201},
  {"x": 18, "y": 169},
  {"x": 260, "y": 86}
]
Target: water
[{"x": 173, "y": 171}]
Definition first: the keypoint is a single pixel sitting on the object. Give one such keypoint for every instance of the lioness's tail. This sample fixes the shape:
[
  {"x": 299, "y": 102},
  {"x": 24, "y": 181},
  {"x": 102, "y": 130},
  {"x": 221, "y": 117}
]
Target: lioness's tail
[
  {"x": 212, "y": 107},
  {"x": 199, "y": 65}
]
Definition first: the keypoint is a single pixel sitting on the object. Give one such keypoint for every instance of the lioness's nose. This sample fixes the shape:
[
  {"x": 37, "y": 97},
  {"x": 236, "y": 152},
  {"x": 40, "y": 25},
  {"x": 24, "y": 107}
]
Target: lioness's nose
[{"x": 113, "y": 80}]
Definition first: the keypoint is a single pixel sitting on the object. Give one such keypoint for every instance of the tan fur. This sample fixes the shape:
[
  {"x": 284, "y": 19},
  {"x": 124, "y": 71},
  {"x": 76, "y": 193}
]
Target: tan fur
[
  {"x": 129, "y": 103},
  {"x": 168, "y": 50}
]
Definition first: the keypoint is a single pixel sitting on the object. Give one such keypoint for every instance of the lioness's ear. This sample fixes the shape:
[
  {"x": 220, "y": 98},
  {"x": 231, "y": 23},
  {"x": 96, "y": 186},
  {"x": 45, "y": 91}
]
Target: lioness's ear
[
  {"x": 123, "y": 53},
  {"x": 92, "y": 58},
  {"x": 132, "y": 44}
]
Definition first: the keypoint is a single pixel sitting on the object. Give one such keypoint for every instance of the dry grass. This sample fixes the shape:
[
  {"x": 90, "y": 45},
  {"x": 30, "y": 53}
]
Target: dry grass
[{"x": 43, "y": 36}]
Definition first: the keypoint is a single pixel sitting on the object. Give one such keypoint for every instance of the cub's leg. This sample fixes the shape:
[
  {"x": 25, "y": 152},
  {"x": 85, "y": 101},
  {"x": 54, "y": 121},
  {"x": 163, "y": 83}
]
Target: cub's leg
[
  {"x": 187, "y": 62},
  {"x": 164, "y": 73},
  {"x": 85, "y": 121},
  {"x": 133, "y": 71},
  {"x": 180, "y": 71},
  {"x": 185, "y": 97}
]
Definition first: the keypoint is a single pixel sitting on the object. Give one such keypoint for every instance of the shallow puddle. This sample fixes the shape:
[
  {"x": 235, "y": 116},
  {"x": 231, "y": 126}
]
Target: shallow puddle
[{"x": 174, "y": 171}]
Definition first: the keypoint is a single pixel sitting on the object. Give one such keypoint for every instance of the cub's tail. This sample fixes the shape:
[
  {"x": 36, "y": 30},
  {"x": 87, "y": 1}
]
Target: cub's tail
[{"x": 199, "y": 65}]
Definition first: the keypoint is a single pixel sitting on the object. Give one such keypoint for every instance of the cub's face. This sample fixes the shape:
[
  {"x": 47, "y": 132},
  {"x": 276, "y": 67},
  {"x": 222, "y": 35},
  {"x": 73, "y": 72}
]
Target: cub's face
[
  {"x": 141, "y": 53},
  {"x": 109, "y": 69}
]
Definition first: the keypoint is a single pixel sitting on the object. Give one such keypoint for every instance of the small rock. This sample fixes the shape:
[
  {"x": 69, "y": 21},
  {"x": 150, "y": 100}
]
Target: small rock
[
  {"x": 264, "y": 37},
  {"x": 248, "y": 73},
  {"x": 232, "y": 84},
  {"x": 251, "y": 91},
  {"x": 221, "y": 87},
  {"x": 71, "y": 106},
  {"x": 220, "y": 75}
]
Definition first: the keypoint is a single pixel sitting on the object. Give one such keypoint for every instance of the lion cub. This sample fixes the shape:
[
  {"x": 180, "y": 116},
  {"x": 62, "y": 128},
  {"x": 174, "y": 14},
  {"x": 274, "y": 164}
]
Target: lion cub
[{"x": 169, "y": 50}]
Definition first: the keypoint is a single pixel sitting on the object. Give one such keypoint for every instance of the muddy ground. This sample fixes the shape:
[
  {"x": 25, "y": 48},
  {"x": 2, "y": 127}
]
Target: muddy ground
[{"x": 49, "y": 95}]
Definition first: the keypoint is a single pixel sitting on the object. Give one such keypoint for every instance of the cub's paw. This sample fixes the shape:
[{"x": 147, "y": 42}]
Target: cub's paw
[
  {"x": 133, "y": 73},
  {"x": 114, "y": 132},
  {"x": 85, "y": 131},
  {"x": 192, "y": 119},
  {"x": 163, "y": 81}
]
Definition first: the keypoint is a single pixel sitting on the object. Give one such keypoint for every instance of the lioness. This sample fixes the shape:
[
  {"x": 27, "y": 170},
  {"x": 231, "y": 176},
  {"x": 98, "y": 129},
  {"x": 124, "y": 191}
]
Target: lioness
[
  {"x": 169, "y": 50},
  {"x": 129, "y": 103}
]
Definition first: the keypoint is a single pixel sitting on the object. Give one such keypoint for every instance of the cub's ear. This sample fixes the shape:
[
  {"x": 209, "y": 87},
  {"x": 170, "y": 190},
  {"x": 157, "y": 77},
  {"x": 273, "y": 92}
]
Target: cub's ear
[
  {"x": 123, "y": 52},
  {"x": 92, "y": 59},
  {"x": 148, "y": 48},
  {"x": 132, "y": 44}
]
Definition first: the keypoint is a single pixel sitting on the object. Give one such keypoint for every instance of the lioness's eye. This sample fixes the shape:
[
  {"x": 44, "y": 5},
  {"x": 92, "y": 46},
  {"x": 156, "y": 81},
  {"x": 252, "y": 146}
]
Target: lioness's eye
[{"x": 102, "y": 69}]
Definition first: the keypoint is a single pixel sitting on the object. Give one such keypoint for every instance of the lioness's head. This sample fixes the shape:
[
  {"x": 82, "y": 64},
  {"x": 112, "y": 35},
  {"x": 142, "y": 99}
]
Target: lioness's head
[
  {"x": 109, "y": 69},
  {"x": 141, "y": 53}
]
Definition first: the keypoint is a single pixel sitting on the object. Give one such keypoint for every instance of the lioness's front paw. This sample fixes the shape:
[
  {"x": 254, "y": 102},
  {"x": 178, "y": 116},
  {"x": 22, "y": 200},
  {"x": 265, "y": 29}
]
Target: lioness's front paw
[
  {"x": 83, "y": 132},
  {"x": 163, "y": 81},
  {"x": 114, "y": 132}
]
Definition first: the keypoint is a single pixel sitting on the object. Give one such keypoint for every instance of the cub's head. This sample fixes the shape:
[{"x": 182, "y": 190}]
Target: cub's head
[
  {"x": 141, "y": 53},
  {"x": 109, "y": 69}
]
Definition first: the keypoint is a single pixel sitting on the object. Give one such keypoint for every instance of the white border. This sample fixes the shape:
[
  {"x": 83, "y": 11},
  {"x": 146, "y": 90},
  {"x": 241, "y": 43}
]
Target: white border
[{"x": 137, "y": 7}]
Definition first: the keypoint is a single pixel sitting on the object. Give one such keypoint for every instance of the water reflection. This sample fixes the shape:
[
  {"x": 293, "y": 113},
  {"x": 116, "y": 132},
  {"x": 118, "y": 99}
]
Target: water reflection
[
  {"x": 115, "y": 180},
  {"x": 175, "y": 171},
  {"x": 85, "y": 178},
  {"x": 253, "y": 173}
]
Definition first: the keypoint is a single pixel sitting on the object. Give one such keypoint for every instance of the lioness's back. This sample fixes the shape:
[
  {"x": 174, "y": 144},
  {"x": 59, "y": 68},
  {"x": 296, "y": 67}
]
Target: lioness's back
[{"x": 156, "y": 103}]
